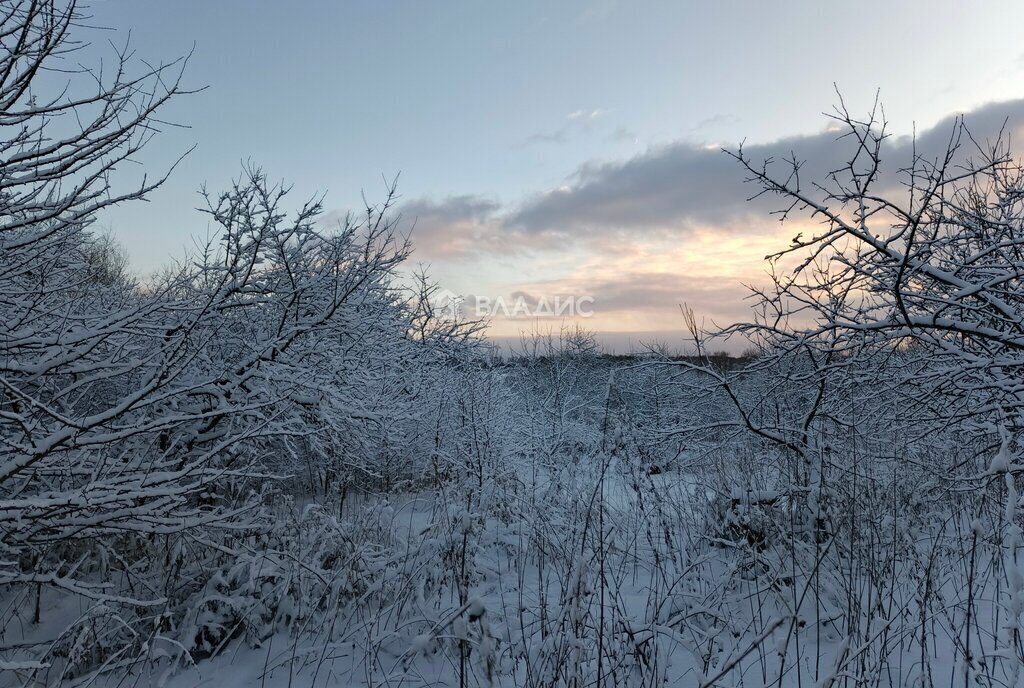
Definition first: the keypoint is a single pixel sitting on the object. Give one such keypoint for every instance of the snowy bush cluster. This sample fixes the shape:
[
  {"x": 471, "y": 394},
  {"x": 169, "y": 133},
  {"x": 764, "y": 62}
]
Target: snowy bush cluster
[{"x": 275, "y": 462}]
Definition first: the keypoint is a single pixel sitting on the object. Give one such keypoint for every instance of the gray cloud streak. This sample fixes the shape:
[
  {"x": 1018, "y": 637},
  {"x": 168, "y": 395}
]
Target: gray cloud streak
[
  {"x": 681, "y": 184},
  {"x": 670, "y": 189}
]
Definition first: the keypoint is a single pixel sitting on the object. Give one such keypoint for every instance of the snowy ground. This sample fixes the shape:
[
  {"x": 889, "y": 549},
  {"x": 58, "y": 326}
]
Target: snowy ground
[{"x": 657, "y": 600}]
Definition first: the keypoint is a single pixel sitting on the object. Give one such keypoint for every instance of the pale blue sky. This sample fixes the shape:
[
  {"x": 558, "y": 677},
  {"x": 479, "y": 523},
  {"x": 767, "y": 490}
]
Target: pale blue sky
[{"x": 502, "y": 103}]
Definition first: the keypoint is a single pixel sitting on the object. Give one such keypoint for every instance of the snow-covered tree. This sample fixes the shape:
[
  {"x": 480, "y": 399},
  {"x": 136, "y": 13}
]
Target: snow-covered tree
[{"x": 142, "y": 422}]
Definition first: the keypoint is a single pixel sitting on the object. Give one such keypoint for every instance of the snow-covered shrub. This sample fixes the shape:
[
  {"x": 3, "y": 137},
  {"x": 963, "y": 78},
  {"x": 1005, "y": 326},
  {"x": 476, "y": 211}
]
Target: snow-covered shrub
[
  {"x": 886, "y": 381},
  {"x": 140, "y": 421}
]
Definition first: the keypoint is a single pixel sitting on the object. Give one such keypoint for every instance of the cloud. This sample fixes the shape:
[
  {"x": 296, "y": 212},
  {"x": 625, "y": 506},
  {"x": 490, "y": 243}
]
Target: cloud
[
  {"x": 454, "y": 226},
  {"x": 655, "y": 291},
  {"x": 578, "y": 120},
  {"x": 675, "y": 183},
  {"x": 469, "y": 226},
  {"x": 669, "y": 191},
  {"x": 984, "y": 123},
  {"x": 648, "y": 294},
  {"x": 526, "y": 297},
  {"x": 669, "y": 226},
  {"x": 623, "y": 300},
  {"x": 560, "y": 135},
  {"x": 682, "y": 185},
  {"x": 585, "y": 115},
  {"x": 713, "y": 121},
  {"x": 622, "y": 134}
]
